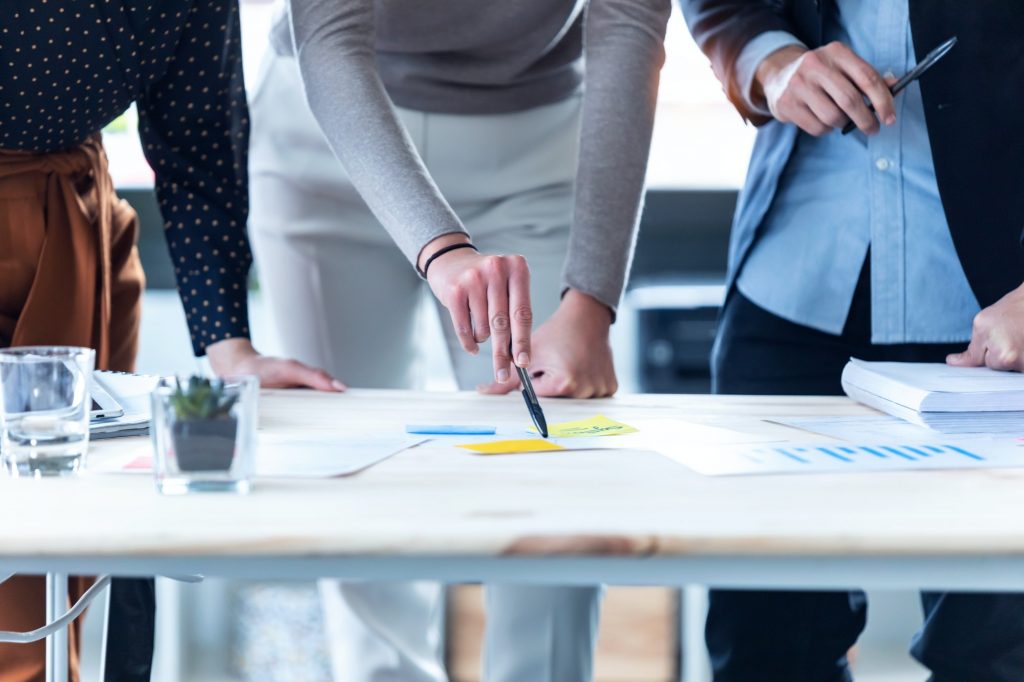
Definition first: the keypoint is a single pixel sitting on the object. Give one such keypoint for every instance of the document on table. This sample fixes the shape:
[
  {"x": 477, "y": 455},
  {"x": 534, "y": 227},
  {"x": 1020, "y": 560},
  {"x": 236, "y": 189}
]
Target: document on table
[
  {"x": 877, "y": 428},
  {"x": 830, "y": 458},
  {"x": 280, "y": 456},
  {"x": 291, "y": 457}
]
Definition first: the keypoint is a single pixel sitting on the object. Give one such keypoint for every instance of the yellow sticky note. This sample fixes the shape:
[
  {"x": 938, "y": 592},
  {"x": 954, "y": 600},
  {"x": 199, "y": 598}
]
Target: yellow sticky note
[
  {"x": 509, "y": 447},
  {"x": 595, "y": 426}
]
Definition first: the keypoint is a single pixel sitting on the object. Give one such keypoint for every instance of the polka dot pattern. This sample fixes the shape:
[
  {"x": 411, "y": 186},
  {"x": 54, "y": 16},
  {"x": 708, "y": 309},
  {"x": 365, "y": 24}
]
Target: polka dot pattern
[{"x": 69, "y": 67}]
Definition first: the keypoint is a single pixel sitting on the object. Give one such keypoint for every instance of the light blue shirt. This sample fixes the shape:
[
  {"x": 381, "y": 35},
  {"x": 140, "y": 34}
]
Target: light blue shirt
[{"x": 841, "y": 194}]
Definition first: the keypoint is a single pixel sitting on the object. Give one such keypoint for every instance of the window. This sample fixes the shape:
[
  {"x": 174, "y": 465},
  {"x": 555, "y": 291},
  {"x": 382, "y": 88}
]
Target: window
[{"x": 700, "y": 142}]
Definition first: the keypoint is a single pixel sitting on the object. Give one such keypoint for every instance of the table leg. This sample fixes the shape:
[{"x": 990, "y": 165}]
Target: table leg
[{"x": 57, "y": 643}]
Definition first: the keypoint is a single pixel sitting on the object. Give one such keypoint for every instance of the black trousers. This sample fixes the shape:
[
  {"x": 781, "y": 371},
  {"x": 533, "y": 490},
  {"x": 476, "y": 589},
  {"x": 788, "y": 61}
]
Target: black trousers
[{"x": 789, "y": 636}]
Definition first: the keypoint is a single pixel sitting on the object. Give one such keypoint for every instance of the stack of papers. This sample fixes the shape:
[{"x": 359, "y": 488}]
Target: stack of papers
[
  {"x": 957, "y": 400},
  {"x": 132, "y": 392}
]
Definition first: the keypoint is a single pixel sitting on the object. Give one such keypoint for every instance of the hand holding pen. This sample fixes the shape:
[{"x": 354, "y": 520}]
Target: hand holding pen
[{"x": 831, "y": 87}]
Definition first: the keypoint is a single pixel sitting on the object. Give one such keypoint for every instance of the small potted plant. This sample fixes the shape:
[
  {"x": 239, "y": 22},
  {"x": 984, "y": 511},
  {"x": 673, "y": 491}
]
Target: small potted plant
[
  {"x": 204, "y": 434},
  {"x": 203, "y": 427}
]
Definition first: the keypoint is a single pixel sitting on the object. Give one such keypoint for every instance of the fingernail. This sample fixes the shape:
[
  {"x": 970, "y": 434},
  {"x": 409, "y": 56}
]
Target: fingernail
[
  {"x": 524, "y": 359},
  {"x": 502, "y": 376},
  {"x": 890, "y": 119},
  {"x": 338, "y": 386}
]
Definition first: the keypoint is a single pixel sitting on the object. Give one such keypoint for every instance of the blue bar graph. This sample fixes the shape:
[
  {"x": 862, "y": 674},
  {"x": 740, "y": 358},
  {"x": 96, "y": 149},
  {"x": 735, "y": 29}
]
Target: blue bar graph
[
  {"x": 789, "y": 454},
  {"x": 898, "y": 452},
  {"x": 965, "y": 453},
  {"x": 815, "y": 455},
  {"x": 830, "y": 453}
]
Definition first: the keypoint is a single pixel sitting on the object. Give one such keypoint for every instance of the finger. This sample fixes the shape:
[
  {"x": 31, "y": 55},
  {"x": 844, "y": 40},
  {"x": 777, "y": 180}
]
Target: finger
[
  {"x": 476, "y": 292},
  {"x": 805, "y": 119},
  {"x": 605, "y": 390},
  {"x": 849, "y": 99},
  {"x": 318, "y": 379},
  {"x": 824, "y": 109},
  {"x": 277, "y": 373},
  {"x": 497, "y": 307},
  {"x": 520, "y": 310},
  {"x": 869, "y": 82},
  {"x": 1001, "y": 353},
  {"x": 462, "y": 321},
  {"x": 973, "y": 356}
]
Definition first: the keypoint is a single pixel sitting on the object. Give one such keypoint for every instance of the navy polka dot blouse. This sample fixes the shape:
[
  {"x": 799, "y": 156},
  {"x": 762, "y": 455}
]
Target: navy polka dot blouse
[{"x": 69, "y": 67}]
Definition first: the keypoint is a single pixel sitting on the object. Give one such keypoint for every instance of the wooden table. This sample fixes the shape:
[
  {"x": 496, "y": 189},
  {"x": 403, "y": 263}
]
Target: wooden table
[{"x": 613, "y": 516}]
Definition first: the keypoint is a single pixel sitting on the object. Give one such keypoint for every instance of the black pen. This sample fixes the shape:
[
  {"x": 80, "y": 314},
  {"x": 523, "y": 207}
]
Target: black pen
[
  {"x": 912, "y": 75},
  {"x": 530, "y": 396}
]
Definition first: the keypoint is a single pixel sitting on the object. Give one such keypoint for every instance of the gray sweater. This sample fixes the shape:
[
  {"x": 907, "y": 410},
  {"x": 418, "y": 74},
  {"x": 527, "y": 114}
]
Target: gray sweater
[{"x": 480, "y": 57}]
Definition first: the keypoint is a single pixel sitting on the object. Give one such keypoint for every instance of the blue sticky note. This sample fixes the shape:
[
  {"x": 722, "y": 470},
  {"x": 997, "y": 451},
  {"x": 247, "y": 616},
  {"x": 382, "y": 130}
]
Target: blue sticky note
[{"x": 450, "y": 430}]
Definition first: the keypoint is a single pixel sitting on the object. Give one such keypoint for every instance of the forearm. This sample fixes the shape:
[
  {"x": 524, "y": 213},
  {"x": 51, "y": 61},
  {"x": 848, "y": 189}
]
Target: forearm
[
  {"x": 624, "y": 53},
  {"x": 199, "y": 157},
  {"x": 722, "y": 30},
  {"x": 334, "y": 47}
]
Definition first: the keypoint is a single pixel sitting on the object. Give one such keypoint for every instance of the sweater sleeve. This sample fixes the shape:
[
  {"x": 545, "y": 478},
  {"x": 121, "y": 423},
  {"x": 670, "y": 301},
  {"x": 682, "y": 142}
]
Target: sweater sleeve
[
  {"x": 334, "y": 45},
  {"x": 624, "y": 52}
]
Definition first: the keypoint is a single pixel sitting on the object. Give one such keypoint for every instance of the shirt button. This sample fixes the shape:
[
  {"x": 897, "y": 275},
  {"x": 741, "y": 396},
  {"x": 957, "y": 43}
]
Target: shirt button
[{"x": 882, "y": 164}]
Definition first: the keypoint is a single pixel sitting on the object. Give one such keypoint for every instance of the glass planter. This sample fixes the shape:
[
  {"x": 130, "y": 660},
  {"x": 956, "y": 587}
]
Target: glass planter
[{"x": 204, "y": 434}]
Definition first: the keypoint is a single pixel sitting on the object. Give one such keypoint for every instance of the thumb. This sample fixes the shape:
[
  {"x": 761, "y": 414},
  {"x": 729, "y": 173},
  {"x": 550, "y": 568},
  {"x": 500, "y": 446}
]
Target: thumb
[{"x": 974, "y": 356}]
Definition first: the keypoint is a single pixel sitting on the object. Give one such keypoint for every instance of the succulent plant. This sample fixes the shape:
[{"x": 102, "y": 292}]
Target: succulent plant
[{"x": 201, "y": 398}]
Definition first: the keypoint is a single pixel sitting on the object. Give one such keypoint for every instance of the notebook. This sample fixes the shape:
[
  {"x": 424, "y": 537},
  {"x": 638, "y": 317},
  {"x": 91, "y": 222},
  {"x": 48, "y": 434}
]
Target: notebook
[{"x": 132, "y": 392}]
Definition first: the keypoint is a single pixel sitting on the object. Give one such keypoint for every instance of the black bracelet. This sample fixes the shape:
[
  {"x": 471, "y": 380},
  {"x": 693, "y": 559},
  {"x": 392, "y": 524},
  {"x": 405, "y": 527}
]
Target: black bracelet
[{"x": 440, "y": 252}]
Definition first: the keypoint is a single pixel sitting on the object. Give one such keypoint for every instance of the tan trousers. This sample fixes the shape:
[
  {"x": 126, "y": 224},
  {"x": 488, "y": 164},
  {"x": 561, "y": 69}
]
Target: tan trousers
[
  {"x": 69, "y": 275},
  {"x": 346, "y": 299}
]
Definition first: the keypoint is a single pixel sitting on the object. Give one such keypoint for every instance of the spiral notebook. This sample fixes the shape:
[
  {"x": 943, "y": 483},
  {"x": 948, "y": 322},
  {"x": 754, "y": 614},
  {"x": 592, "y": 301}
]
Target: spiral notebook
[{"x": 132, "y": 392}]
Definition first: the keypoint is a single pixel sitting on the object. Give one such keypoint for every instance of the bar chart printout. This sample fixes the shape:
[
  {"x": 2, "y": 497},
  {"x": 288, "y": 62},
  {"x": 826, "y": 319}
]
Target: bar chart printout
[{"x": 794, "y": 458}]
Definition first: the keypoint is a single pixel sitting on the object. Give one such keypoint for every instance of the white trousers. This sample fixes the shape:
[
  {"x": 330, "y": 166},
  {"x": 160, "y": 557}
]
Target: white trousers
[{"x": 344, "y": 298}]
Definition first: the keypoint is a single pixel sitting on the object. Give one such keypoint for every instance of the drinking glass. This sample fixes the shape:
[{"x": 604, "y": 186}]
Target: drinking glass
[{"x": 44, "y": 409}]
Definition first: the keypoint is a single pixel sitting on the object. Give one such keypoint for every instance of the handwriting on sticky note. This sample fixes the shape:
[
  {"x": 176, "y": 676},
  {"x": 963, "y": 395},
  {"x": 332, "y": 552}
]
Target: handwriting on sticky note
[
  {"x": 511, "y": 447},
  {"x": 595, "y": 426}
]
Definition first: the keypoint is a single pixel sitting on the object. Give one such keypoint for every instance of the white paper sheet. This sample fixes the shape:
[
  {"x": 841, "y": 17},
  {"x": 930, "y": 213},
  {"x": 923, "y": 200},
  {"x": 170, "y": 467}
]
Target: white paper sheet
[
  {"x": 281, "y": 456},
  {"x": 885, "y": 428},
  {"x": 326, "y": 457},
  {"x": 831, "y": 458},
  {"x": 877, "y": 428}
]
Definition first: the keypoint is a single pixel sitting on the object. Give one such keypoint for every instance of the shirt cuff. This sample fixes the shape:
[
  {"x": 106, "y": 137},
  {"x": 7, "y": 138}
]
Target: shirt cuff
[{"x": 751, "y": 57}]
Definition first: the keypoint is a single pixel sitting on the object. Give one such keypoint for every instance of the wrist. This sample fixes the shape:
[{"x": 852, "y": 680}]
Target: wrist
[
  {"x": 437, "y": 244},
  {"x": 770, "y": 68},
  {"x": 587, "y": 308},
  {"x": 225, "y": 354}
]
